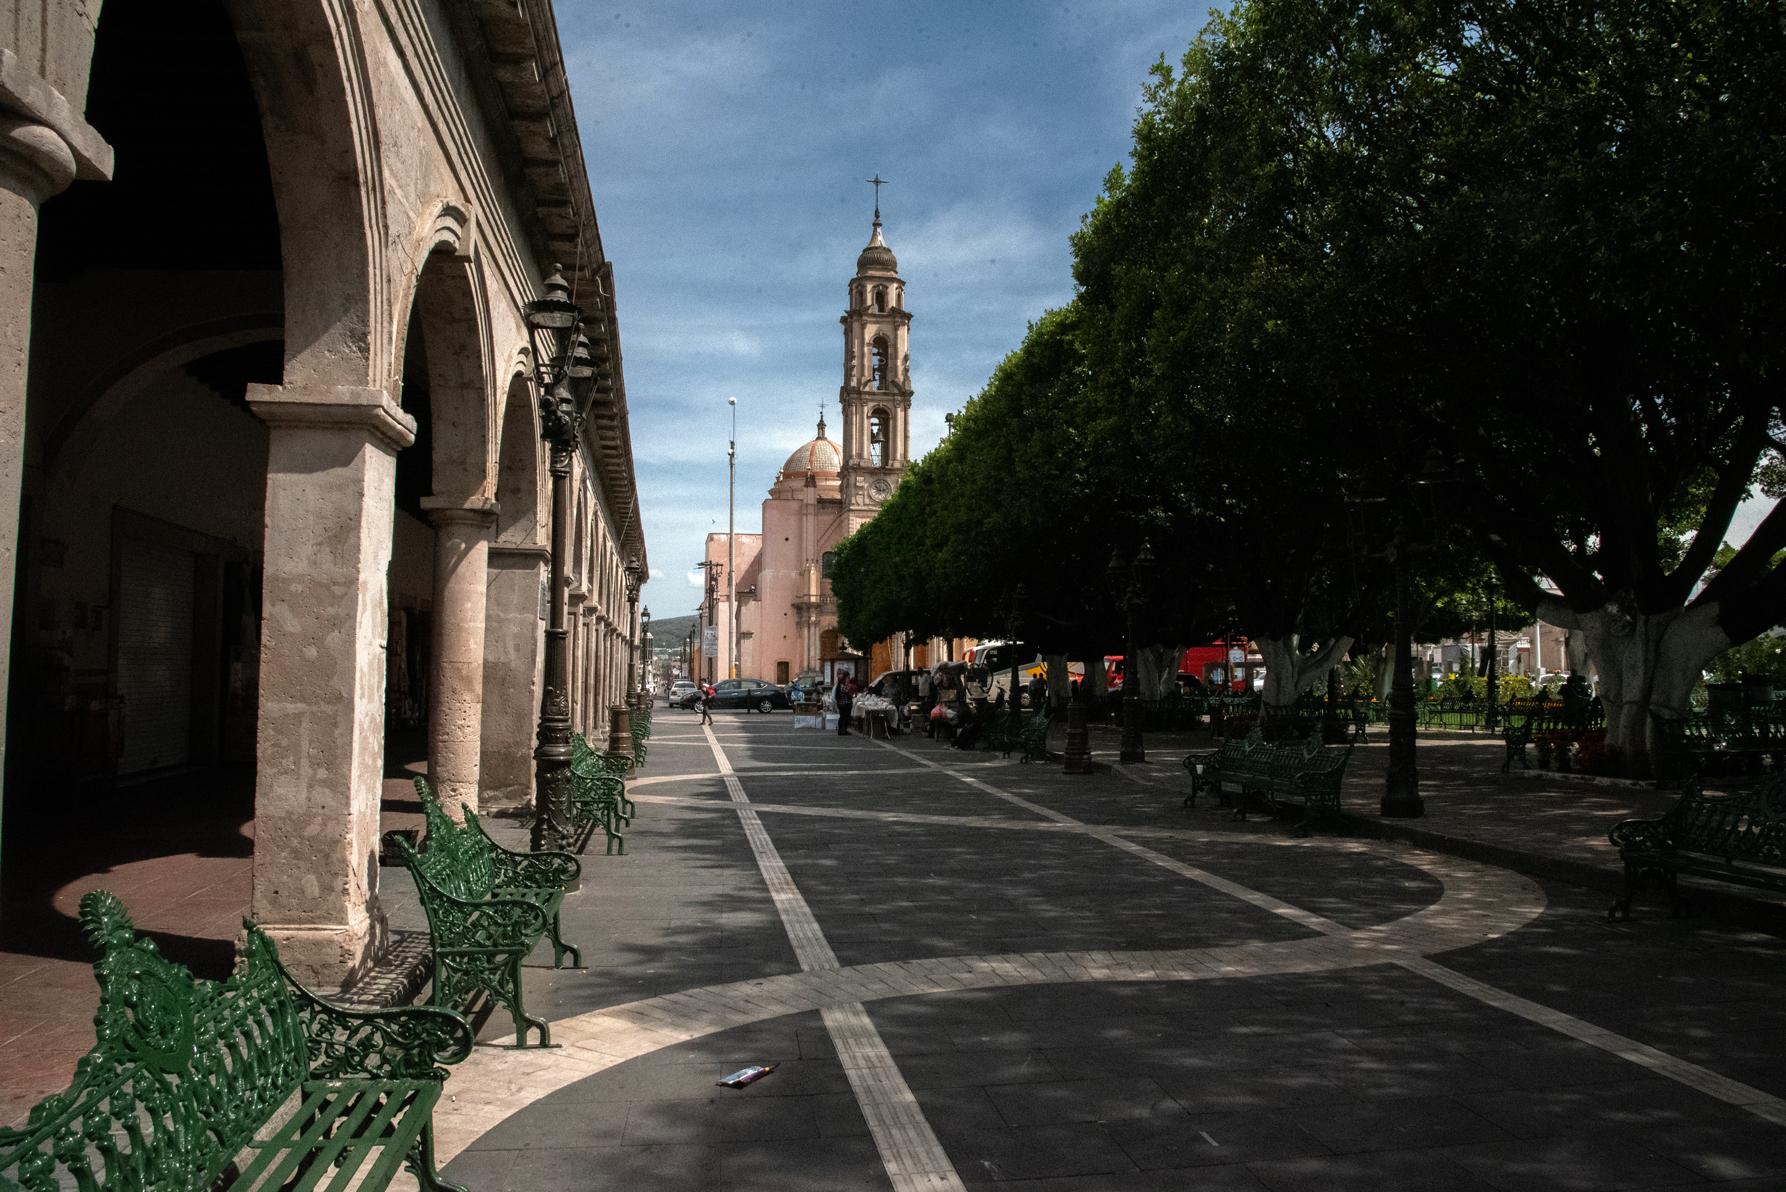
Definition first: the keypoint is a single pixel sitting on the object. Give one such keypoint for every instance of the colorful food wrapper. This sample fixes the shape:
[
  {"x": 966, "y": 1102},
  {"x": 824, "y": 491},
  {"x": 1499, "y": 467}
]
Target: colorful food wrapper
[{"x": 744, "y": 1076}]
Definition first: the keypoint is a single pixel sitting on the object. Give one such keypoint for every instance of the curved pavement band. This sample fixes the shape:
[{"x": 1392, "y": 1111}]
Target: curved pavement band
[{"x": 1479, "y": 903}]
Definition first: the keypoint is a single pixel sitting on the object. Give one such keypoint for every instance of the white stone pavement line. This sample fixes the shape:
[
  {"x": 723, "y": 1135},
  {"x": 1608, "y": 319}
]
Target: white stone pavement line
[
  {"x": 909, "y": 1148},
  {"x": 1761, "y": 1104},
  {"x": 495, "y": 1084},
  {"x": 770, "y": 772}
]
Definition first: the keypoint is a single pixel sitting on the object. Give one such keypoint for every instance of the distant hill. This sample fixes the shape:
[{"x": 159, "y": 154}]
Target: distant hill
[{"x": 668, "y": 632}]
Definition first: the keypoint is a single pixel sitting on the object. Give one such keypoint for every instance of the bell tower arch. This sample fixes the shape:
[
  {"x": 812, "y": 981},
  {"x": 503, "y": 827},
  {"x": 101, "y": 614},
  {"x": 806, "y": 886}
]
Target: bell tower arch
[{"x": 876, "y": 396}]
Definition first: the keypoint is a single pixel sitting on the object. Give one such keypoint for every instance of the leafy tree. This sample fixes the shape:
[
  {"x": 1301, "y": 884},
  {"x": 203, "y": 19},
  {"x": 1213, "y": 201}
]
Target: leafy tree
[
  {"x": 1608, "y": 220},
  {"x": 1537, "y": 241}
]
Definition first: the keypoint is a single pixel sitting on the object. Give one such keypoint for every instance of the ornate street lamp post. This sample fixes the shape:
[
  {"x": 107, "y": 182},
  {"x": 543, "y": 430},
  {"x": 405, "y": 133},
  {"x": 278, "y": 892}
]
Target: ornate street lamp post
[
  {"x": 1128, "y": 588},
  {"x": 1014, "y": 631},
  {"x": 633, "y": 574},
  {"x": 1401, "y": 787},
  {"x": 1494, "y": 662},
  {"x": 648, "y": 662},
  {"x": 568, "y": 369}
]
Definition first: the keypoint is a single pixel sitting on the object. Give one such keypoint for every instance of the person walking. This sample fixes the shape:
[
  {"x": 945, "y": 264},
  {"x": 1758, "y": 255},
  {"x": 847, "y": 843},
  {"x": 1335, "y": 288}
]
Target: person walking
[
  {"x": 706, "y": 703},
  {"x": 845, "y": 697}
]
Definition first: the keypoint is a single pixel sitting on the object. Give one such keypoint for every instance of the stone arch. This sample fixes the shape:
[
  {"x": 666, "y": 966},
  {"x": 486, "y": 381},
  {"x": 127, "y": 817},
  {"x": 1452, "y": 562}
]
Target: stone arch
[
  {"x": 582, "y": 566},
  {"x": 518, "y": 467},
  {"x": 307, "y": 60},
  {"x": 450, "y": 307}
]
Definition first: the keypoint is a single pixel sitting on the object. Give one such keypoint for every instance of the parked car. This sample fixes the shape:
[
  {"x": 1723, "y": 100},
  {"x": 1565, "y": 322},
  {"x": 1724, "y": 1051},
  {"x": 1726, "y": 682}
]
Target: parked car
[
  {"x": 757, "y": 695},
  {"x": 679, "y": 693},
  {"x": 808, "y": 685}
]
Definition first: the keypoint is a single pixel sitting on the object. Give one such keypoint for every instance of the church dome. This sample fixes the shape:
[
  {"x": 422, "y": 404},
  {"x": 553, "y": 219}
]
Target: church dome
[
  {"x": 877, "y": 257},
  {"x": 820, "y": 457}
]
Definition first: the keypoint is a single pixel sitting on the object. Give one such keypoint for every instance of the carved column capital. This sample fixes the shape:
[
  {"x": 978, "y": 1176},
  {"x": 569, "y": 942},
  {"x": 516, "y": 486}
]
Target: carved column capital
[
  {"x": 460, "y": 511},
  {"x": 334, "y": 407},
  {"x": 34, "y": 159}
]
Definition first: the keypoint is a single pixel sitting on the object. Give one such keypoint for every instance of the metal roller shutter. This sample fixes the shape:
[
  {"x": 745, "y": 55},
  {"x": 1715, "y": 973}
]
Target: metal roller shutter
[{"x": 155, "y": 592}]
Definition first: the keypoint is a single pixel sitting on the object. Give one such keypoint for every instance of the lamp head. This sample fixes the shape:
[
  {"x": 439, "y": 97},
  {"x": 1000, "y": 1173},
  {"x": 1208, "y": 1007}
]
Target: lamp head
[
  {"x": 1145, "y": 564},
  {"x": 1117, "y": 575},
  {"x": 553, "y": 310}
]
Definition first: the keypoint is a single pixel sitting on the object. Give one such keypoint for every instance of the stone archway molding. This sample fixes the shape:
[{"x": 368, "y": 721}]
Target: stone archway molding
[
  {"x": 307, "y": 60},
  {"x": 135, "y": 370}
]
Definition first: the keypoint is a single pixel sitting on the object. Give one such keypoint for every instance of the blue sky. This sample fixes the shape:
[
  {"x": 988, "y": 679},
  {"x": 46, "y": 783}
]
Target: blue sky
[{"x": 727, "y": 147}]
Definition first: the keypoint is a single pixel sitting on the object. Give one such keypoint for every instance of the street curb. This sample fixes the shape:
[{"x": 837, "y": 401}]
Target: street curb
[{"x": 1720, "y": 902}]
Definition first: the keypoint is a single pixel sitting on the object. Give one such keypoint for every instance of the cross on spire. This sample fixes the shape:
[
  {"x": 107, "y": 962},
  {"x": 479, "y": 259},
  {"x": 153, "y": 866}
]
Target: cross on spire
[{"x": 877, "y": 182}]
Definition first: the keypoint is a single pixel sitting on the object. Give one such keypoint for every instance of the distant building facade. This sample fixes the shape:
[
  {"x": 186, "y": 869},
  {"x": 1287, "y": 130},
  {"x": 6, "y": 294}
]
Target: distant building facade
[{"x": 827, "y": 489}]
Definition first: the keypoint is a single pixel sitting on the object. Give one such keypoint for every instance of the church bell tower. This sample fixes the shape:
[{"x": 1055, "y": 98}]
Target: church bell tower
[{"x": 876, "y": 396}]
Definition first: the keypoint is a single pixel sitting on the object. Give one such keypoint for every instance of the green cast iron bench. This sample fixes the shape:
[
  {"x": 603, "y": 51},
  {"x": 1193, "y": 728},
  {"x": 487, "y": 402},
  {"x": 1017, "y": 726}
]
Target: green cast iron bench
[
  {"x": 615, "y": 765},
  {"x": 1311, "y": 776},
  {"x": 1238, "y": 760},
  {"x": 1024, "y": 734},
  {"x": 640, "y": 727},
  {"x": 1303, "y": 772},
  {"x": 1725, "y": 742},
  {"x": 598, "y": 795},
  {"x": 487, "y": 906},
  {"x": 1737, "y": 837},
  {"x": 248, "y": 1083},
  {"x": 1516, "y": 731}
]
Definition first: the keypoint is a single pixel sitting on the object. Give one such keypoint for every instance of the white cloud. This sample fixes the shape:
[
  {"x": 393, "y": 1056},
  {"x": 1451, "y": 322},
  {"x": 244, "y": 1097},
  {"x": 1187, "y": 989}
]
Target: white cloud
[{"x": 727, "y": 147}]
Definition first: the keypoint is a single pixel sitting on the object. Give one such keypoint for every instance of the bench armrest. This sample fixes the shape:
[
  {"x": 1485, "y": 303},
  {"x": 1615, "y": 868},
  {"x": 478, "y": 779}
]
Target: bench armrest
[
  {"x": 406, "y": 1042},
  {"x": 1639, "y": 834},
  {"x": 398, "y": 1043}
]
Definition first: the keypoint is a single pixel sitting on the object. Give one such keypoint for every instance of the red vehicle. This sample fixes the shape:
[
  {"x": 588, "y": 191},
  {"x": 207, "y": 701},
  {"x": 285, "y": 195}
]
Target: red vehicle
[{"x": 1208, "y": 665}]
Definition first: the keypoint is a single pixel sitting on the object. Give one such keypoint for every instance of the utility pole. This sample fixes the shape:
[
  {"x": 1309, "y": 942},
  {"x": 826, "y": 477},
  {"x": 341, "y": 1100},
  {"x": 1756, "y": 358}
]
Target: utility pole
[
  {"x": 711, "y": 621},
  {"x": 731, "y": 547}
]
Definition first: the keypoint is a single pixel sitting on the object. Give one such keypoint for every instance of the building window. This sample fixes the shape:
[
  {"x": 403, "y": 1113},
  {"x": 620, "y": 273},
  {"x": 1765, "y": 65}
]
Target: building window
[
  {"x": 781, "y": 672},
  {"x": 880, "y": 298}
]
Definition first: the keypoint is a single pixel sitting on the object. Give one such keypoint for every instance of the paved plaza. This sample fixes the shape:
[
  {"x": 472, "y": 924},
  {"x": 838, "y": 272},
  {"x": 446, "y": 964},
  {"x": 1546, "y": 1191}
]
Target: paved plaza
[{"x": 977, "y": 973}]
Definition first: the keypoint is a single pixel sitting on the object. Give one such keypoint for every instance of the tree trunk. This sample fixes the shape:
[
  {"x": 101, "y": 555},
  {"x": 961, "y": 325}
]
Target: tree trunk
[
  {"x": 1647, "y": 663},
  {"x": 1156, "y": 671},
  {"x": 1094, "y": 675},
  {"x": 1060, "y": 682},
  {"x": 1289, "y": 672}
]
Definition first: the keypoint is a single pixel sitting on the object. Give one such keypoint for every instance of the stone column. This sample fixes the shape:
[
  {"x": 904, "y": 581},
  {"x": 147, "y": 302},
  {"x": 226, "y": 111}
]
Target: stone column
[
  {"x": 592, "y": 683},
  {"x": 331, "y": 473},
  {"x": 35, "y": 163},
  {"x": 513, "y": 621},
  {"x": 456, "y": 684},
  {"x": 579, "y": 646}
]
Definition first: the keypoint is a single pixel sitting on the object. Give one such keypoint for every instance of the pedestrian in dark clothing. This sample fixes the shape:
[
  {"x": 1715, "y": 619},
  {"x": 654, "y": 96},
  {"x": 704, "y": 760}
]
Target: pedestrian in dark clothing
[{"x": 845, "y": 697}]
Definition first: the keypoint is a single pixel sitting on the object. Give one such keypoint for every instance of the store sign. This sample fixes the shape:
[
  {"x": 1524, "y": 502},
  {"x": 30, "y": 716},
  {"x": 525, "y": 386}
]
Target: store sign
[{"x": 1237, "y": 655}]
